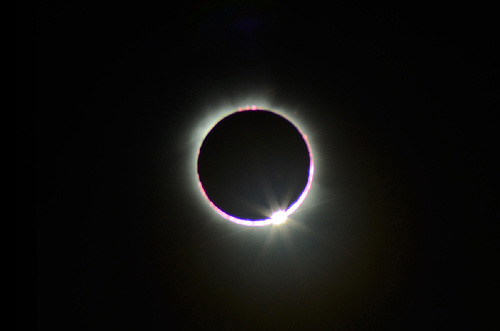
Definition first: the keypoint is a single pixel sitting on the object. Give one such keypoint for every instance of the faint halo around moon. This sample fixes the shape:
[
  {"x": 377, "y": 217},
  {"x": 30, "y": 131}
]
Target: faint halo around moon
[{"x": 253, "y": 164}]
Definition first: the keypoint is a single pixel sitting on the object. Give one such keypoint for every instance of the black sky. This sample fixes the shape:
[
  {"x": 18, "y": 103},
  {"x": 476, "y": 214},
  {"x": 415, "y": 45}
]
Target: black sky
[{"x": 403, "y": 111}]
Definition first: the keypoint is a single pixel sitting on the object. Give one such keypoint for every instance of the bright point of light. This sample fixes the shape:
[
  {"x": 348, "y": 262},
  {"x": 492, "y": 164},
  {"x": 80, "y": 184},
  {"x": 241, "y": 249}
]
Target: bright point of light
[{"x": 279, "y": 217}]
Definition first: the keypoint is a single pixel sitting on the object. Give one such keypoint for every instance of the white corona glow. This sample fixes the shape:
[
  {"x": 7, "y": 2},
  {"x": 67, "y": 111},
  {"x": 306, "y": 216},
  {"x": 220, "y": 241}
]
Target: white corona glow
[{"x": 280, "y": 216}]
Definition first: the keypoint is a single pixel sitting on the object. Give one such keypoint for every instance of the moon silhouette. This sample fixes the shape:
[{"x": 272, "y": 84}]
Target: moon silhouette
[{"x": 255, "y": 167}]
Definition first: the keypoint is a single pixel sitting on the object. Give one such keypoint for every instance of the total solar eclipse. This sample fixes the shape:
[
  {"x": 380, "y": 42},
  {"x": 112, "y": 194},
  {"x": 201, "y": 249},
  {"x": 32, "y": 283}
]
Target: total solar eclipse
[{"x": 255, "y": 167}]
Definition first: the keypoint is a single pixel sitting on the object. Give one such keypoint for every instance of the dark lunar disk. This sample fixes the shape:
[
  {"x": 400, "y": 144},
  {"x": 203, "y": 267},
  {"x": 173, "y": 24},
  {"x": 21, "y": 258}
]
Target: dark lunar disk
[{"x": 253, "y": 163}]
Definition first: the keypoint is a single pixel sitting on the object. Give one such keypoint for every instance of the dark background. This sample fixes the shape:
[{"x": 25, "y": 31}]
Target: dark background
[{"x": 402, "y": 113}]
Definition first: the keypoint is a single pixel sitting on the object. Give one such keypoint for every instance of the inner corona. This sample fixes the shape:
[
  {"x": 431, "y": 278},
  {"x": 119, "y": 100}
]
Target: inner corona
[{"x": 255, "y": 167}]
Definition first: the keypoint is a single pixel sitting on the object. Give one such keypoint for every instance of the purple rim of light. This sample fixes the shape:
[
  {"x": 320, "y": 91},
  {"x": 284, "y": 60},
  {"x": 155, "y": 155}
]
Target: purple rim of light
[{"x": 293, "y": 207}]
